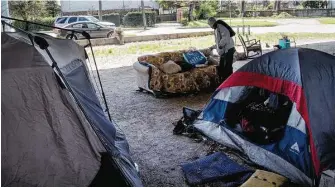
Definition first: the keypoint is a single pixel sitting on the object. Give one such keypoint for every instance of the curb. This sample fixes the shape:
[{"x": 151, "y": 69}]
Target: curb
[{"x": 109, "y": 41}]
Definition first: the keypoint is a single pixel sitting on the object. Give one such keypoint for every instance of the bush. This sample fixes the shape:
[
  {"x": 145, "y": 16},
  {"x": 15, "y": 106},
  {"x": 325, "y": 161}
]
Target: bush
[
  {"x": 226, "y": 14},
  {"x": 249, "y": 14},
  {"x": 135, "y": 19},
  {"x": 184, "y": 22},
  {"x": 283, "y": 15},
  {"x": 206, "y": 9},
  {"x": 32, "y": 27},
  {"x": 113, "y": 17},
  {"x": 185, "y": 13},
  {"x": 270, "y": 6}
]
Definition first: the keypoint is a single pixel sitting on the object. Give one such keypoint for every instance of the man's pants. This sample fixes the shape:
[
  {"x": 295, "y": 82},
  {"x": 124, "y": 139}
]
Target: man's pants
[{"x": 226, "y": 64}]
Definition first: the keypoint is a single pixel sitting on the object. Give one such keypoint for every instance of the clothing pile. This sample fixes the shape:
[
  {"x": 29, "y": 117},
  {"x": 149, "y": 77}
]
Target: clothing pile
[
  {"x": 261, "y": 115},
  {"x": 265, "y": 122}
]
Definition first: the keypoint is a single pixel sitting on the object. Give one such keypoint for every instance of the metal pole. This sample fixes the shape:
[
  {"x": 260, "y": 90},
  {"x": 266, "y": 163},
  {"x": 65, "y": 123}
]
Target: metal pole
[
  {"x": 143, "y": 14},
  {"x": 243, "y": 7},
  {"x": 100, "y": 10},
  {"x": 230, "y": 12},
  {"x": 243, "y": 30}
]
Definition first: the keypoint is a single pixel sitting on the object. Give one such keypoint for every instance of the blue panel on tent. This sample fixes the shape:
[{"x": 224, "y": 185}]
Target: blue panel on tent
[
  {"x": 293, "y": 147},
  {"x": 78, "y": 80},
  {"x": 215, "y": 110}
]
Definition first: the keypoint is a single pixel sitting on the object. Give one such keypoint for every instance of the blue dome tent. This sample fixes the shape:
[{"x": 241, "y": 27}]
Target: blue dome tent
[{"x": 307, "y": 78}]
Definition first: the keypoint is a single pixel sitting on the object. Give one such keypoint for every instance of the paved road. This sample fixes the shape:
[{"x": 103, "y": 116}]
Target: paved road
[{"x": 285, "y": 25}]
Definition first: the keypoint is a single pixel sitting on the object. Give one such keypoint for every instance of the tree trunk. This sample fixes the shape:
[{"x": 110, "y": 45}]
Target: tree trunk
[
  {"x": 100, "y": 10},
  {"x": 143, "y": 15},
  {"x": 242, "y": 8},
  {"x": 276, "y": 6},
  {"x": 190, "y": 12}
]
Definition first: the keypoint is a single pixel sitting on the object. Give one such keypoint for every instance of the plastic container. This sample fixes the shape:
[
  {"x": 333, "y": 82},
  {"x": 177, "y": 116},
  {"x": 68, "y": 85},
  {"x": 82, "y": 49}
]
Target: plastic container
[{"x": 284, "y": 43}]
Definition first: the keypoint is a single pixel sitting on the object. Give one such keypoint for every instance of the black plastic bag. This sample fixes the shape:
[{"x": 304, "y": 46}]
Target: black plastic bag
[{"x": 184, "y": 125}]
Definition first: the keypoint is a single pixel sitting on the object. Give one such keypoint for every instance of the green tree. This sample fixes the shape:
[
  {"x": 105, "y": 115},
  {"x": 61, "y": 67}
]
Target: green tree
[
  {"x": 206, "y": 9},
  {"x": 52, "y": 8},
  {"x": 196, "y": 8},
  {"x": 314, "y": 4},
  {"x": 265, "y": 4},
  {"x": 230, "y": 8},
  {"x": 271, "y": 6},
  {"x": 166, "y": 4},
  {"x": 26, "y": 9}
]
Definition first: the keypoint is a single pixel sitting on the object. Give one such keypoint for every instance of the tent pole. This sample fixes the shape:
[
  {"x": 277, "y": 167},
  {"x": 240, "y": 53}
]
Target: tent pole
[
  {"x": 102, "y": 90},
  {"x": 98, "y": 74}
]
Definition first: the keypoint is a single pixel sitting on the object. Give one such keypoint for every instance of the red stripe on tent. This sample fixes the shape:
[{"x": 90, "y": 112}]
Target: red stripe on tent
[{"x": 284, "y": 87}]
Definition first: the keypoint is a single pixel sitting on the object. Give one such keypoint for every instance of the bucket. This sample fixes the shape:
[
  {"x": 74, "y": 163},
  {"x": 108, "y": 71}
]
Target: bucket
[{"x": 284, "y": 43}]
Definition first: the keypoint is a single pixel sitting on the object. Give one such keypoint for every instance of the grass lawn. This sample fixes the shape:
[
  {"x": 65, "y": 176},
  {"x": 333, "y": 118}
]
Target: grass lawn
[
  {"x": 198, "y": 42},
  {"x": 327, "y": 20},
  {"x": 234, "y": 22},
  {"x": 272, "y": 38}
]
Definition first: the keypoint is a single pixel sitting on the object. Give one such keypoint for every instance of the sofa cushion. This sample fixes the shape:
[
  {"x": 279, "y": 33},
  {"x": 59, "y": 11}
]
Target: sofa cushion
[
  {"x": 170, "y": 67},
  {"x": 164, "y": 57},
  {"x": 152, "y": 59},
  {"x": 178, "y": 83},
  {"x": 185, "y": 82},
  {"x": 206, "y": 52},
  {"x": 174, "y": 56}
]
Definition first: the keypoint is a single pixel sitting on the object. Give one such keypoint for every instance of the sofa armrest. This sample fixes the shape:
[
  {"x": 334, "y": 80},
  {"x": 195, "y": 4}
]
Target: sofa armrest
[{"x": 140, "y": 67}]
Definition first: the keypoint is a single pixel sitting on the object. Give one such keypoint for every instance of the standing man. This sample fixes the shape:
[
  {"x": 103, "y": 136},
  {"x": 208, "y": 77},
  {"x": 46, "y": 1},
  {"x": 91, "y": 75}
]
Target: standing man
[{"x": 224, "y": 45}]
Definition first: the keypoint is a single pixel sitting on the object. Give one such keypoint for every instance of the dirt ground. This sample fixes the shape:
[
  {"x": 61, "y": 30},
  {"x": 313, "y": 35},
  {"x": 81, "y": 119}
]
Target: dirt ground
[{"x": 147, "y": 123}]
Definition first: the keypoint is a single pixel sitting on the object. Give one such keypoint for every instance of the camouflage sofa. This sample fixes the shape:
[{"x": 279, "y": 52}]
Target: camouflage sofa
[{"x": 151, "y": 78}]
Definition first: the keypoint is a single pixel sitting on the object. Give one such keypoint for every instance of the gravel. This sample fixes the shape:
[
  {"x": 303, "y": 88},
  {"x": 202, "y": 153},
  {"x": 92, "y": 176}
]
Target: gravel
[{"x": 147, "y": 123}]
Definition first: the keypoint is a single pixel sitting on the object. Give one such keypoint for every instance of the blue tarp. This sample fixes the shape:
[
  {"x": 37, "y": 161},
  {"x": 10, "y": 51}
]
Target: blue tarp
[{"x": 216, "y": 167}]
